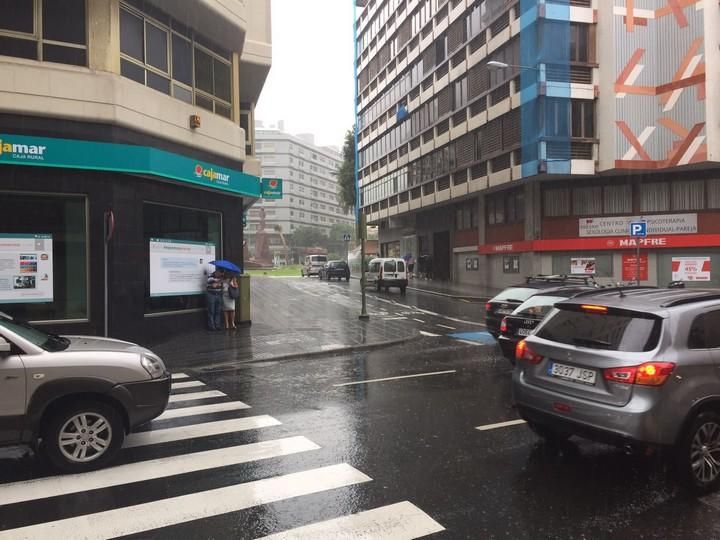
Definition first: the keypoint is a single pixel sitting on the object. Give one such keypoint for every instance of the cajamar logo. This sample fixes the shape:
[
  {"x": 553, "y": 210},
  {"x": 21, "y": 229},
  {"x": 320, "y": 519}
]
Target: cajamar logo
[
  {"x": 211, "y": 175},
  {"x": 22, "y": 151}
]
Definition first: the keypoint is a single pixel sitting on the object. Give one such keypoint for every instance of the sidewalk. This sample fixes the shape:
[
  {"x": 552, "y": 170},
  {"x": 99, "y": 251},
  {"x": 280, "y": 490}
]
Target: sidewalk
[
  {"x": 449, "y": 289},
  {"x": 288, "y": 322}
]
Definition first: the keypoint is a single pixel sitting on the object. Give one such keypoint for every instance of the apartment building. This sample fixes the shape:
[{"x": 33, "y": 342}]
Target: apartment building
[
  {"x": 505, "y": 138},
  {"x": 126, "y": 157},
  {"x": 310, "y": 193}
]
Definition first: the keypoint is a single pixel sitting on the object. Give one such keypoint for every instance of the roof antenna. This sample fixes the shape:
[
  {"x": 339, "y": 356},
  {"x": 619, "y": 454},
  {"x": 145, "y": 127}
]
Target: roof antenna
[{"x": 622, "y": 294}]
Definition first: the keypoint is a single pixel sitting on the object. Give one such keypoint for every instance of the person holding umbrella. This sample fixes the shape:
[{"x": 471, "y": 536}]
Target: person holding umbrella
[
  {"x": 214, "y": 293},
  {"x": 229, "y": 292}
]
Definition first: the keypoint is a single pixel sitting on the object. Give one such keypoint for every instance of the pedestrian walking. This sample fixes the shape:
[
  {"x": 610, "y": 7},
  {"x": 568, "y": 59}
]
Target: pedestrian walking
[
  {"x": 230, "y": 294},
  {"x": 214, "y": 295}
]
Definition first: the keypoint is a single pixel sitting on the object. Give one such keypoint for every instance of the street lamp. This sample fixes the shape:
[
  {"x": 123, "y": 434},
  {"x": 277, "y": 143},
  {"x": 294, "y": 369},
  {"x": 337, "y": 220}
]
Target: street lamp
[{"x": 494, "y": 64}]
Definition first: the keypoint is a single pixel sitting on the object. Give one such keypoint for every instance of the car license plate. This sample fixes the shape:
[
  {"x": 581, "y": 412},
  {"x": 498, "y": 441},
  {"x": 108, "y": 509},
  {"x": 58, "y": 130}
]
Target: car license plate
[
  {"x": 572, "y": 373},
  {"x": 524, "y": 331},
  {"x": 504, "y": 311}
]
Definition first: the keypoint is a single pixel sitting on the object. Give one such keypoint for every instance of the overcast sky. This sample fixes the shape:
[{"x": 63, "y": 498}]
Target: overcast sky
[{"x": 310, "y": 85}]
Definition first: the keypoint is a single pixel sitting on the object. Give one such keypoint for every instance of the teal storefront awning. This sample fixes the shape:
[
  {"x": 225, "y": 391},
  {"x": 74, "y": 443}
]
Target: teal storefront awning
[{"x": 126, "y": 158}]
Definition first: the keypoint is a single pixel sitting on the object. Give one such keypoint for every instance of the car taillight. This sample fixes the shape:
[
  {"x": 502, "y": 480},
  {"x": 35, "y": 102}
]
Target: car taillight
[
  {"x": 488, "y": 306},
  {"x": 526, "y": 354},
  {"x": 648, "y": 374},
  {"x": 503, "y": 325}
]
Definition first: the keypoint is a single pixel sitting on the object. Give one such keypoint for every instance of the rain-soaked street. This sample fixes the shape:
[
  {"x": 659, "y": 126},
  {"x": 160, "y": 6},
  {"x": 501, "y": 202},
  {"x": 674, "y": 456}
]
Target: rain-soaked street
[{"x": 398, "y": 441}]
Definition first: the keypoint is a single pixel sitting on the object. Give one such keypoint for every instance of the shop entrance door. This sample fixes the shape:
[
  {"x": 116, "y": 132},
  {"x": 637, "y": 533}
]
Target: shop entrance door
[{"x": 441, "y": 256}]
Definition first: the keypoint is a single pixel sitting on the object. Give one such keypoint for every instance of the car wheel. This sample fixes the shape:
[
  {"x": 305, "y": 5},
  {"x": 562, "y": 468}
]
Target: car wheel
[
  {"x": 83, "y": 436},
  {"x": 698, "y": 453},
  {"x": 551, "y": 435}
]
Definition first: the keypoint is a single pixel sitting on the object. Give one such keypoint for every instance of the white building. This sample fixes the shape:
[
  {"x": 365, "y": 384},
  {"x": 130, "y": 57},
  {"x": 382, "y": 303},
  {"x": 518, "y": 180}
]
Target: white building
[{"x": 310, "y": 192}]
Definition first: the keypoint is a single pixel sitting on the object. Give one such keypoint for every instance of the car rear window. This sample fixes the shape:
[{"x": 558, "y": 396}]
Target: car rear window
[
  {"x": 538, "y": 305},
  {"x": 613, "y": 332},
  {"x": 515, "y": 294}
]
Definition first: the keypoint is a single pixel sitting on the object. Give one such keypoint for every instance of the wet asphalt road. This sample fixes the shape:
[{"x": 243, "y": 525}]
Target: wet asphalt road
[{"x": 402, "y": 456}]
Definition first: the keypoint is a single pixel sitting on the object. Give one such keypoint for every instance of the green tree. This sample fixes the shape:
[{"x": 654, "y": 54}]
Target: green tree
[
  {"x": 308, "y": 237},
  {"x": 346, "y": 173}
]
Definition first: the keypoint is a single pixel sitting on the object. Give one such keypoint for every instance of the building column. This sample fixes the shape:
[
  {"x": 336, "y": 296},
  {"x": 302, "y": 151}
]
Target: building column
[
  {"x": 533, "y": 221},
  {"x": 104, "y": 35}
]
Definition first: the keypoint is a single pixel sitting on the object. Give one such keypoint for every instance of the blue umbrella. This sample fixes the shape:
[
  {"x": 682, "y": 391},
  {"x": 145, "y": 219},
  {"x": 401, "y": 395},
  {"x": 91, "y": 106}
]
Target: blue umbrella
[{"x": 227, "y": 265}]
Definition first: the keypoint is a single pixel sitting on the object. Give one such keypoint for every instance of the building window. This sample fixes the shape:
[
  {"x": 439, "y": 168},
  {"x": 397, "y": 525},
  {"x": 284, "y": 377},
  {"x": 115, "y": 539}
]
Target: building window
[
  {"x": 182, "y": 224},
  {"x": 45, "y": 30},
  {"x": 556, "y": 202},
  {"x": 466, "y": 216},
  {"x": 60, "y": 223},
  {"x": 655, "y": 197},
  {"x": 583, "y": 118},
  {"x": 170, "y": 60},
  {"x": 617, "y": 199},
  {"x": 587, "y": 201},
  {"x": 688, "y": 195}
]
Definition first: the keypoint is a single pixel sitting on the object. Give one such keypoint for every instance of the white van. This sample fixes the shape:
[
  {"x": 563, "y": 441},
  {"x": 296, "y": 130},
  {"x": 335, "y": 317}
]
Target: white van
[
  {"x": 386, "y": 273},
  {"x": 312, "y": 265}
]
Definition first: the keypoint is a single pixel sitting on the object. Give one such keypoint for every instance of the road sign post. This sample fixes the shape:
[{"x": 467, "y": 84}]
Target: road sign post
[{"x": 638, "y": 230}]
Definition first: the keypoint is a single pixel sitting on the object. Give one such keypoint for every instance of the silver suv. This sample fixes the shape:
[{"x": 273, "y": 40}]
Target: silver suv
[
  {"x": 635, "y": 367},
  {"x": 75, "y": 397}
]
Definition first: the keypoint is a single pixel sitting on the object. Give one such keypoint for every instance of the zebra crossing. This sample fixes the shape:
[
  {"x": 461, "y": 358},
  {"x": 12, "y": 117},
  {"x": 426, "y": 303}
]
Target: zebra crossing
[{"x": 191, "y": 404}]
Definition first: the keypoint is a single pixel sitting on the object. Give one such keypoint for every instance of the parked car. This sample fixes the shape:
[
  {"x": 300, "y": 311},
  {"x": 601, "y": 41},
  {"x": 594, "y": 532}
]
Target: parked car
[
  {"x": 75, "y": 397},
  {"x": 525, "y": 318},
  {"x": 637, "y": 368},
  {"x": 312, "y": 265},
  {"x": 384, "y": 273},
  {"x": 335, "y": 269},
  {"x": 505, "y": 303}
]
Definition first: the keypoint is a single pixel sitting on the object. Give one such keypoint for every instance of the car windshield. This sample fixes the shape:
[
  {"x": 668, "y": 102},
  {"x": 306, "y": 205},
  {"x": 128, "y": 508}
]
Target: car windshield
[
  {"x": 608, "y": 331},
  {"x": 515, "y": 294},
  {"x": 538, "y": 305},
  {"x": 49, "y": 342}
]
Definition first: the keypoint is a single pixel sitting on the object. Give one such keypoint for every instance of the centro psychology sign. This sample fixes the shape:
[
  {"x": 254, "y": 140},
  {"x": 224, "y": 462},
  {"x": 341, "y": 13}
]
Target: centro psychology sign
[
  {"x": 125, "y": 158},
  {"x": 656, "y": 225}
]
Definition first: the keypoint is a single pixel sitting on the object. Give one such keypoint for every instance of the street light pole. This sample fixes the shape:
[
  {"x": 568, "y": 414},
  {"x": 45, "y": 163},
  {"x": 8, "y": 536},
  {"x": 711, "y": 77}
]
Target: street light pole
[{"x": 360, "y": 218}]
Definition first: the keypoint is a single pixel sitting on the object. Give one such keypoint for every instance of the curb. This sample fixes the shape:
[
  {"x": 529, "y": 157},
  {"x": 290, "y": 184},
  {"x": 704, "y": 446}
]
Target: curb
[
  {"x": 228, "y": 366},
  {"x": 453, "y": 296}
]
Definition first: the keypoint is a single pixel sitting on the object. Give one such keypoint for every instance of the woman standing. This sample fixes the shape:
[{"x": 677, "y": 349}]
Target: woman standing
[{"x": 230, "y": 290}]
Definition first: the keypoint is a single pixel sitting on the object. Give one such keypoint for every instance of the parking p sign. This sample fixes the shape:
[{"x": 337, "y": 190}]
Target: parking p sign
[{"x": 638, "y": 228}]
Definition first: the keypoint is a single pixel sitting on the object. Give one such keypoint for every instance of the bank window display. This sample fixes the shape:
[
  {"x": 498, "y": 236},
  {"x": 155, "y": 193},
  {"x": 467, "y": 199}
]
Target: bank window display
[
  {"x": 43, "y": 257},
  {"x": 166, "y": 56},
  {"x": 46, "y": 30},
  {"x": 179, "y": 245}
]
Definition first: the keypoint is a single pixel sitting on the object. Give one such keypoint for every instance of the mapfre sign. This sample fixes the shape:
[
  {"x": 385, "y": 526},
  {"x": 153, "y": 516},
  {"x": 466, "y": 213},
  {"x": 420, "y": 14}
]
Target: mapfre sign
[{"x": 656, "y": 225}]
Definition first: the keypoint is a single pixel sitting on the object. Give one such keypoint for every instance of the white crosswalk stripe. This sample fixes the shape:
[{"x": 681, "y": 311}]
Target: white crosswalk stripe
[
  {"x": 196, "y": 395},
  {"x": 392, "y": 522},
  {"x": 54, "y": 486},
  {"x": 183, "y": 412},
  {"x": 175, "y": 510},
  {"x": 188, "y": 384},
  {"x": 401, "y": 521},
  {"x": 195, "y": 431}
]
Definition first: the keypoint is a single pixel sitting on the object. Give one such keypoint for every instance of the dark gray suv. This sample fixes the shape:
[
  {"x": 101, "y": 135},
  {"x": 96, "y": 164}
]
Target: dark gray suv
[{"x": 633, "y": 367}]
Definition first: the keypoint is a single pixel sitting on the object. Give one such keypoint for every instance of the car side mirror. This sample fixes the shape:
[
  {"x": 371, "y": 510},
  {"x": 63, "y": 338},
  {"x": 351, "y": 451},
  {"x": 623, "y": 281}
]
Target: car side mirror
[{"x": 5, "y": 347}]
